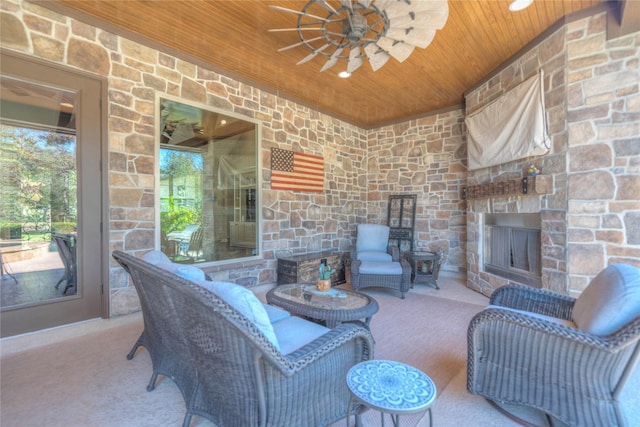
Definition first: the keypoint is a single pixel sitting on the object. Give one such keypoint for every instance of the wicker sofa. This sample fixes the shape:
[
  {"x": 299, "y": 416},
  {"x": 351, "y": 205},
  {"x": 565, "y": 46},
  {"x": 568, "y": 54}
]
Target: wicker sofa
[
  {"x": 568, "y": 358},
  {"x": 236, "y": 361}
]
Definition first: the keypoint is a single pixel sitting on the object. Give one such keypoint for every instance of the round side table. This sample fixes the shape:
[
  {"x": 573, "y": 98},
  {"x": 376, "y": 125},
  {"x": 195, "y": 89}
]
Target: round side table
[{"x": 390, "y": 387}]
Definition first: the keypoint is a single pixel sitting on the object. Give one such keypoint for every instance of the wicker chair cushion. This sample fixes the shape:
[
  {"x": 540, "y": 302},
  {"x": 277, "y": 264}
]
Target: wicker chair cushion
[
  {"x": 275, "y": 313},
  {"x": 245, "y": 301},
  {"x": 374, "y": 256},
  {"x": 381, "y": 268},
  {"x": 156, "y": 257},
  {"x": 564, "y": 322},
  {"x": 189, "y": 272},
  {"x": 295, "y": 332},
  {"x": 372, "y": 237},
  {"x": 610, "y": 301}
]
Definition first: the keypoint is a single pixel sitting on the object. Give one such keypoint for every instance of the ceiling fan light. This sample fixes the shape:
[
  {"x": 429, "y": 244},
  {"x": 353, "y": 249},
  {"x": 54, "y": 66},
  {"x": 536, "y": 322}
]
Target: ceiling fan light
[{"x": 517, "y": 5}]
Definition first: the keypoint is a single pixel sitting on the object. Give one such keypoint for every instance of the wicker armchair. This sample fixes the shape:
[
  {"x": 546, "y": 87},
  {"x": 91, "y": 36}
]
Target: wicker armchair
[
  {"x": 547, "y": 351},
  {"x": 241, "y": 377},
  {"x": 376, "y": 264},
  {"x": 67, "y": 250}
]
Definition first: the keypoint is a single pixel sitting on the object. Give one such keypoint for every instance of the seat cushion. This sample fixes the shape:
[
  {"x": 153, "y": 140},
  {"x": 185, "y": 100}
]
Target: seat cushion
[
  {"x": 275, "y": 313},
  {"x": 610, "y": 301},
  {"x": 381, "y": 268},
  {"x": 245, "y": 301},
  {"x": 295, "y": 332},
  {"x": 373, "y": 256}
]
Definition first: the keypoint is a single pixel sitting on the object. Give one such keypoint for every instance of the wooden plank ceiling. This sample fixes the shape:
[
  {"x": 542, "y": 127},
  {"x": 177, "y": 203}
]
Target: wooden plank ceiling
[{"x": 232, "y": 36}]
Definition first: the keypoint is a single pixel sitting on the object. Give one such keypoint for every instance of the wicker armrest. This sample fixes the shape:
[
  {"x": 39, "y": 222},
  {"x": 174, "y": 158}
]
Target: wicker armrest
[
  {"x": 327, "y": 343},
  {"x": 496, "y": 319},
  {"x": 540, "y": 301},
  {"x": 394, "y": 251}
]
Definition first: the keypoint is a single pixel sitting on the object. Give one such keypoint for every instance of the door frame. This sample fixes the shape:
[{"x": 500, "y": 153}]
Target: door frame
[{"x": 103, "y": 233}]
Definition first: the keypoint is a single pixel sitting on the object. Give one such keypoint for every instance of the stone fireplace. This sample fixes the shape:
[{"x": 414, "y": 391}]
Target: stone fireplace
[
  {"x": 528, "y": 220},
  {"x": 589, "y": 210}
]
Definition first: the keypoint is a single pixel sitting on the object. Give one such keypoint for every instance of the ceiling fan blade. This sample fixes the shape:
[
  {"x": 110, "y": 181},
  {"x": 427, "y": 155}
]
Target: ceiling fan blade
[
  {"x": 312, "y": 54},
  {"x": 282, "y": 49},
  {"x": 327, "y": 6},
  {"x": 419, "y": 37},
  {"x": 417, "y": 14},
  {"x": 355, "y": 59},
  {"x": 425, "y": 20},
  {"x": 365, "y": 3},
  {"x": 383, "y": 4},
  {"x": 377, "y": 57},
  {"x": 401, "y": 8},
  {"x": 347, "y": 4},
  {"x": 399, "y": 50},
  {"x": 295, "y": 12},
  {"x": 277, "y": 30},
  {"x": 333, "y": 59}
]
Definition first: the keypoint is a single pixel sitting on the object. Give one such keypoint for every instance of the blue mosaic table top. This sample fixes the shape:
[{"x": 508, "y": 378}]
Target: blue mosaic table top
[{"x": 391, "y": 386}]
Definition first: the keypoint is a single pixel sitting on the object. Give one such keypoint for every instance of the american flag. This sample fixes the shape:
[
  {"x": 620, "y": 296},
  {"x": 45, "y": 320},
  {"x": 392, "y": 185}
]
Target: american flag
[{"x": 296, "y": 171}]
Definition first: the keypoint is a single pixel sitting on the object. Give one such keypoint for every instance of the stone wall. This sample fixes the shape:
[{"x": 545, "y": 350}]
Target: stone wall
[
  {"x": 292, "y": 222},
  {"x": 426, "y": 157},
  {"x": 603, "y": 116},
  {"x": 363, "y": 167},
  {"x": 590, "y": 217}
]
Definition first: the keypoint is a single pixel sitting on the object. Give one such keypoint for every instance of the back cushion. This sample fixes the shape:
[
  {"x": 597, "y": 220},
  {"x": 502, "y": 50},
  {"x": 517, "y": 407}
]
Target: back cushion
[
  {"x": 611, "y": 300},
  {"x": 372, "y": 237},
  {"x": 156, "y": 257},
  {"x": 245, "y": 301}
]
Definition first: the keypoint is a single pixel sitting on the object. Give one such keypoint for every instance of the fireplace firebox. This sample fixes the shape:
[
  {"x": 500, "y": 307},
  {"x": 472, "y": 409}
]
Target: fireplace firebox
[{"x": 512, "y": 247}]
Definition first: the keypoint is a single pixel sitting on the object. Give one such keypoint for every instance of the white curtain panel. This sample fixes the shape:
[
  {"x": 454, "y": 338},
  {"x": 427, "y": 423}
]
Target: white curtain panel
[{"x": 511, "y": 127}]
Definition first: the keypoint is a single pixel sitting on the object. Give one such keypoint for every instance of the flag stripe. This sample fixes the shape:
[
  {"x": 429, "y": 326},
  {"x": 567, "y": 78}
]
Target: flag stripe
[{"x": 296, "y": 171}]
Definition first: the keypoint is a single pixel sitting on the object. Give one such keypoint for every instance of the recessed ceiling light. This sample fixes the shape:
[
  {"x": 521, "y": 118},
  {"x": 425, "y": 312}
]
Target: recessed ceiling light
[
  {"x": 517, "y": 5},
  {"x": 344, "y": 74}
]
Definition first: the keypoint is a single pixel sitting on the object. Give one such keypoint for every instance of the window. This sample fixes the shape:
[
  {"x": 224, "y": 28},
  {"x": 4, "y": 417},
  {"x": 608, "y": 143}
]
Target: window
[{"x": 208, "y": 184}]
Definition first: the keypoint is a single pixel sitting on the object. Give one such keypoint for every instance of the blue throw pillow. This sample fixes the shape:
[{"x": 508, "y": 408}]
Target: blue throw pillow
[
  {"x": 245, "y": 301},
  {"x": 156, "y": 257}
]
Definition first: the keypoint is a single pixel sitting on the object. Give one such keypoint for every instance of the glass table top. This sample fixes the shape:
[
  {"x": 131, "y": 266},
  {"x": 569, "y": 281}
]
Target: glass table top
[{"x": 333, "y": 299}]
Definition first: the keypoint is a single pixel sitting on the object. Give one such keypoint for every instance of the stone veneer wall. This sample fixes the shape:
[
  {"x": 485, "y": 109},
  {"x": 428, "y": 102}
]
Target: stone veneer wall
[
  {"x": 426, "y": 157},
  {"x": 603, "y": 115},
  {"x": 294, "y": 222},
  {"x": 592, "y": 216}
]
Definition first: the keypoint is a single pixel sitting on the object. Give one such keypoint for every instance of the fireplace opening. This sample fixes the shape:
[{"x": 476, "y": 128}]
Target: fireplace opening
[{"x": 512, "y": 247}]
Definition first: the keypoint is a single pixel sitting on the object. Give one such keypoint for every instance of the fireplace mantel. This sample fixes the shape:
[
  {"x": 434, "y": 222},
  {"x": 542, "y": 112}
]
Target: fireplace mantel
[{"x": 540, "y": 184}]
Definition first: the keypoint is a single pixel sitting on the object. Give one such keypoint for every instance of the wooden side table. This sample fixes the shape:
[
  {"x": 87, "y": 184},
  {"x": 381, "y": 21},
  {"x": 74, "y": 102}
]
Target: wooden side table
[{"x": 425, "y": 267}]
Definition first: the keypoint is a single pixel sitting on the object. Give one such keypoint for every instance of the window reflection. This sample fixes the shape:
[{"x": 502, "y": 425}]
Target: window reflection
[{"x": 208, "y": 194}]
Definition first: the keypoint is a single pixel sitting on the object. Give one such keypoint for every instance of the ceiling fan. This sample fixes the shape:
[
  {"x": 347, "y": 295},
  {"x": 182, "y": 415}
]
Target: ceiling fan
[{"x": 373, "y": 29}]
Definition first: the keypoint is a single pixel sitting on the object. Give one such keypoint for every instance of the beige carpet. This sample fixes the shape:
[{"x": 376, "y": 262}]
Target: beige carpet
[{"x": 83, "y": 378}]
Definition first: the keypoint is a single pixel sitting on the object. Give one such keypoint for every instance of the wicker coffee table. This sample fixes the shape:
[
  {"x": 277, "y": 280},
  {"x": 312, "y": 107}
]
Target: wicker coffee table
[{"x": 333, "y": 306}]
